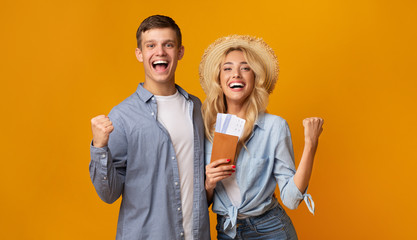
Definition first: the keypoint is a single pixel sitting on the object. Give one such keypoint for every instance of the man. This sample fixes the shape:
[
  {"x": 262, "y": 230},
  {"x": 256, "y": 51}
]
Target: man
[{"x": 150, "y": 149}]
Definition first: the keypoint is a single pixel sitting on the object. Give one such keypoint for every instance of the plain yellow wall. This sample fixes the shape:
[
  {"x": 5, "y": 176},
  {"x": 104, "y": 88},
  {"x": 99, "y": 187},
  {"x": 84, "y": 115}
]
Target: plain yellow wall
[{"x": 351, "y": 62}]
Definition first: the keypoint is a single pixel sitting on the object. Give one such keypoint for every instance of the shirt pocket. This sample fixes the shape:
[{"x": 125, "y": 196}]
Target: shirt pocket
[
  {"x": 255, "y": 164},
  {"x": 254, "y": 170}
]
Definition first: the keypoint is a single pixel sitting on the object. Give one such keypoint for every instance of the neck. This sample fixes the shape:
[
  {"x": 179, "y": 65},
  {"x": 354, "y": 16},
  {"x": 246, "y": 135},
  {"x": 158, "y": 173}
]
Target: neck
[
  {"x": 237, "y": 109},
  {"x": 160, "y": 89}
]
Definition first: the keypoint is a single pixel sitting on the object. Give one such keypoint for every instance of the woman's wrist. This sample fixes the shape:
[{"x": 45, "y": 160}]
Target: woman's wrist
[
  {"x": 209, "y": 188},
  {"x": 308, "y": 142}
]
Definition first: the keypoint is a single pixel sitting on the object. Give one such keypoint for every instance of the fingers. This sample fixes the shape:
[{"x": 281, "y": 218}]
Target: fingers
[
  {"x": 102, "y": 123},
  {"x": 313, "y": 121},
  {"x": 223, "y": 170},
  {"x": 217, "y": 168},
  {"x": 211, "y": 182},
  {"x": 101, "y": 127},
  {"x": 313, "y": 127},
  {"x": 217, "y": 171},
  {"x": 219, "y": 175},
  {"x": 219, "y": 162}
]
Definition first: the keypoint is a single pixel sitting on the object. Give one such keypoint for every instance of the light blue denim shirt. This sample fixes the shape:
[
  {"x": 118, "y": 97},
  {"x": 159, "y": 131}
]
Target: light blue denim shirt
[
  {"x": 140, "y": 164},
  {"x": 269, "y": 160}
]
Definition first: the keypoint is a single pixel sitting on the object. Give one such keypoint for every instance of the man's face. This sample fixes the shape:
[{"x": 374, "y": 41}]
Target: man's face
[{"x": 160, "y": 54}]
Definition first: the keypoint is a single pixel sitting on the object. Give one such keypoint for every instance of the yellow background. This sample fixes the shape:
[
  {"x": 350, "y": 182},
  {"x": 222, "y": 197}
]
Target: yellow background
[{"x": 351, "y": 62}]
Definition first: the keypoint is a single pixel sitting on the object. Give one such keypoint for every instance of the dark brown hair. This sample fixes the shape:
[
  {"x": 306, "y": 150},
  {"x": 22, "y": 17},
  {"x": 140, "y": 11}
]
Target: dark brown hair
[{"x": 157, "y": 21}]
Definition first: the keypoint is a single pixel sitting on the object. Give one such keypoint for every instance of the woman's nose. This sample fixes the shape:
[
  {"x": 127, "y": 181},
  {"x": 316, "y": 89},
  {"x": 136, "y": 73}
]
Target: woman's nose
[{"x": 236, "y": 74}]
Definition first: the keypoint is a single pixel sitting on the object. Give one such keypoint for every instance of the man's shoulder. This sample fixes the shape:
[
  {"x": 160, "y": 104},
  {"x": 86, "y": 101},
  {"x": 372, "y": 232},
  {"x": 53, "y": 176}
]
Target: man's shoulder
[
  {"x": 126, "y": 106},
  {"x": 127, "y": 101}
]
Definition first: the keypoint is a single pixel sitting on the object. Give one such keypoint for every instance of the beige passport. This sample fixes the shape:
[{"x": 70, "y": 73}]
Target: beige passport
[{"x": 224, "y": 146}]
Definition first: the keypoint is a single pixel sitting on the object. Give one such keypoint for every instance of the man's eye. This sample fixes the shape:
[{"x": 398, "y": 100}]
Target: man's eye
[
  {"x": 150, "y": 45},
  {"x": 169, "y": 45}
]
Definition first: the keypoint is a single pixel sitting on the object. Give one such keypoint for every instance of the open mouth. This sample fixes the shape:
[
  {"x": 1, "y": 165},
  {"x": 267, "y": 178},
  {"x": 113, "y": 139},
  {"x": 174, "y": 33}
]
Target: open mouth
[
  {"x": 236, "y": 85},
  {"x": 160, "y": 65}
]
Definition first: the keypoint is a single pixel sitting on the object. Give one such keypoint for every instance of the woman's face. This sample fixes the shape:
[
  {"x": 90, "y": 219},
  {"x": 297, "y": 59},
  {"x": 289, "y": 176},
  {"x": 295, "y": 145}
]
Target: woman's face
[{"x": 236, "y": 78}]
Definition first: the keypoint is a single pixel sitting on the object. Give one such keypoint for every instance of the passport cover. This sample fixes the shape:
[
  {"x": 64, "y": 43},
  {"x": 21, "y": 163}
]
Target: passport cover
[{"x": 224, "y": 146}]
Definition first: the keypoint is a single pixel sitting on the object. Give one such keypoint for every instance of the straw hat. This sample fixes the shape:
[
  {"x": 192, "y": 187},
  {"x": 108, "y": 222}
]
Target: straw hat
[{"x": 211, "y": 55}]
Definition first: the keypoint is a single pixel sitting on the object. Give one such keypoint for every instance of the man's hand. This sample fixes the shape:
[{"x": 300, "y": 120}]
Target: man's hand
[
  {"x": 101, "y": 127},
  {"x": 312, "y": 129}
]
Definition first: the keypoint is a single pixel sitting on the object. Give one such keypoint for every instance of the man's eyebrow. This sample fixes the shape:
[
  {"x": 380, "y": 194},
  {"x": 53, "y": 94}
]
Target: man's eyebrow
[
  {"x": 170, "y": 41},
  {"x": 154, "y": 41}
]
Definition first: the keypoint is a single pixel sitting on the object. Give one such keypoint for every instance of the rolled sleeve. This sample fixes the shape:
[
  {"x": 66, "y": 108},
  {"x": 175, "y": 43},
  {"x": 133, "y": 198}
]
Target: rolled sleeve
[{"x": 294, "y": 197}]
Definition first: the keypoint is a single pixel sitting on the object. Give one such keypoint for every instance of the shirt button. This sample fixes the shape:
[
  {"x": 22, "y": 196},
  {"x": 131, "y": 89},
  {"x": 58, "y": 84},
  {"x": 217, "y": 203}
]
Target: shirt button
[
  {"x": 153, "y": 98},
  {"x": 182, "y": 234},
  {"x": 179, "y": 209},
  {"x": 153, "y": 113},
  {"x": 176, "y": 183},
  {"x": 105, "y": 178},
  {"x": 103, "y": 155},
  {"x": 173, "y": 158}
]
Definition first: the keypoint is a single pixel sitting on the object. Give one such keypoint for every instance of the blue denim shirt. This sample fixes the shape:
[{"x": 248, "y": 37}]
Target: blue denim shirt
[
  {"x": 140, "y": 164},
  {"x": 269, "y": 160}
]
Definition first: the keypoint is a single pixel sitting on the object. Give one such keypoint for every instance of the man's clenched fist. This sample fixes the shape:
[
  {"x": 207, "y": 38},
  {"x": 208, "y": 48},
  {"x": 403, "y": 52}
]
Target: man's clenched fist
[{"x": 101, "y": 127}]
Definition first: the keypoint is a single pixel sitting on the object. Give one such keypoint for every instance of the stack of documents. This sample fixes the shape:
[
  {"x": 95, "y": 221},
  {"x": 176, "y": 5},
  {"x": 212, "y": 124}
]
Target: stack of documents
[
  {"x": 228, "y": 130},
  {"x": 229, "y": 124}
]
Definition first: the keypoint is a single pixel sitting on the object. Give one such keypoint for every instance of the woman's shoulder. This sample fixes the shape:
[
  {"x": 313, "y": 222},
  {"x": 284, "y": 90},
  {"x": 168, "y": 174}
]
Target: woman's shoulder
[
  {"x": 275, "y": 125},
  {"x": 271, "y": 120}
]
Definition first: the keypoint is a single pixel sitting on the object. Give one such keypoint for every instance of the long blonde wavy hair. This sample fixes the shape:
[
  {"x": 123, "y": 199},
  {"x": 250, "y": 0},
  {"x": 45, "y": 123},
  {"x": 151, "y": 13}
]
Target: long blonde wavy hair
[{"x": 215, "y": 101}]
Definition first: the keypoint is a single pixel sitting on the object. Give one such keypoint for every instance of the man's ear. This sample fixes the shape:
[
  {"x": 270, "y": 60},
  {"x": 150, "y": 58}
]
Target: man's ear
[
  {"x": 181, "y": 53},
  {"x": 139, "y": 55}
]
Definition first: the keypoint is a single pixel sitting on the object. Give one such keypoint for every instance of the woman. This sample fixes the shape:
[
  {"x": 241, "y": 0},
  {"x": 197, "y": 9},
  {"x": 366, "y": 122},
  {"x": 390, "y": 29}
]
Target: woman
[{"x": 237, "y": 74}]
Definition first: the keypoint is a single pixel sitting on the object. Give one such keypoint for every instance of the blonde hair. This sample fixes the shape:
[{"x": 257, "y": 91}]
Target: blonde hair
[{"x": 215, "y": 101}]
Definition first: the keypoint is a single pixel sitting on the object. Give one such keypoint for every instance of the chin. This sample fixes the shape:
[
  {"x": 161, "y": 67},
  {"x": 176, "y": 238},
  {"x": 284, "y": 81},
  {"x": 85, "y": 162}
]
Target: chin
[{"x": 164, "y": 80}]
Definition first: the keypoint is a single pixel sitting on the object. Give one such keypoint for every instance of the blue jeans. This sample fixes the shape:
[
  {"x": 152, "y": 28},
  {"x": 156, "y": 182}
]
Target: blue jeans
[{"x": 272, "y": 225}]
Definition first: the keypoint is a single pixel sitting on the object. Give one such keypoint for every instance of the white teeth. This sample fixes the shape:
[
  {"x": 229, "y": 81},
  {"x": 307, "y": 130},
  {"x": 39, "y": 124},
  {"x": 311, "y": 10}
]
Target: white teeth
[
  {"x": 160, "y": 62},
  {"x": 233, "y": 85}
]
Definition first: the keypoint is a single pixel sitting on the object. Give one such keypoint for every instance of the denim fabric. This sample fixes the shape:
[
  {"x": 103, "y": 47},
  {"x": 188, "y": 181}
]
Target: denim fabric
[
  {"x": 140, "y": 164},
  {"x": 272, "y": 225}
]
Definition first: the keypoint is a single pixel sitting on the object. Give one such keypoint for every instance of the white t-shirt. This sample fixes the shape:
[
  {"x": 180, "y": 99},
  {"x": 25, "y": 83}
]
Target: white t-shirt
[
  {"x": 174, "y": 115},
  {"x": 232, "y": 190}
]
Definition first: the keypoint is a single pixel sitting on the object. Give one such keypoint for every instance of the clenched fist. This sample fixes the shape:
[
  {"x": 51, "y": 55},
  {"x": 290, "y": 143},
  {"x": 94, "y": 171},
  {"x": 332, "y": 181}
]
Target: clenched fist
[
  {"x": 312, "y": 129},
  {"x": 101, "y": 127}
]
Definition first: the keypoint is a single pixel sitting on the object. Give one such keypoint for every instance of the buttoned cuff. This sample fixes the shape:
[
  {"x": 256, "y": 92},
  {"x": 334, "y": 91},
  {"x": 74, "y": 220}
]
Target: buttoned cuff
[{"x": 99, "y": 155}]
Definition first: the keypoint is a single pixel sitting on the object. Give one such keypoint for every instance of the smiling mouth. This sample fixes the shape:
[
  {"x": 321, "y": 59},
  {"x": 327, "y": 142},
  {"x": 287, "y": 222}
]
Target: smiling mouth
[
  {"x": 160, "y": 65},
  {"x": 236, "y": 85}
]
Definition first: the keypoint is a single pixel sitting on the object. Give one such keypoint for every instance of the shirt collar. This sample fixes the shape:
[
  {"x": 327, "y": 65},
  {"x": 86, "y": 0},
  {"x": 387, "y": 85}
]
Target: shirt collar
[
  {"x": 145, "y": 95},
  {"x": 260, "y": 122}
]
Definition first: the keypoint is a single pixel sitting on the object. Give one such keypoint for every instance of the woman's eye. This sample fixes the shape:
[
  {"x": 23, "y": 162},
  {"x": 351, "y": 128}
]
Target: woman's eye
[
  {"x": 227, "y": 69},
  {"x": 246, "y": 68}
]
